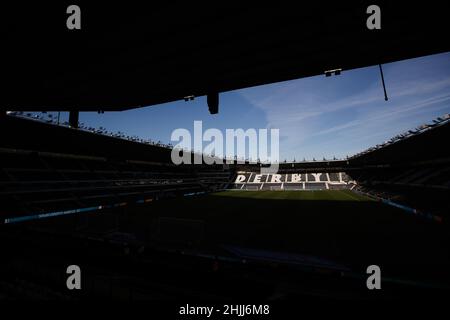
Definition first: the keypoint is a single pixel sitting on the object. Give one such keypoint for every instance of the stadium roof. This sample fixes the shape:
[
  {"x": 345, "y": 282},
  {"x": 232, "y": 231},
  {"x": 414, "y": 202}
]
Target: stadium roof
[
  {"x": 127, "y": 57},
  {"x": 445, "y": 120}
]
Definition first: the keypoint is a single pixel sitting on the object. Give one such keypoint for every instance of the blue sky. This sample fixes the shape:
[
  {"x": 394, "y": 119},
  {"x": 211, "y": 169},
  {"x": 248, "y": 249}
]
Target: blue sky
[{"x": 317, "y": 116}]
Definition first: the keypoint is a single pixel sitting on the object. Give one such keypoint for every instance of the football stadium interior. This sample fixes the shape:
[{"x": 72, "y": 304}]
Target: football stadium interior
[{"x": 143, "y": 228}]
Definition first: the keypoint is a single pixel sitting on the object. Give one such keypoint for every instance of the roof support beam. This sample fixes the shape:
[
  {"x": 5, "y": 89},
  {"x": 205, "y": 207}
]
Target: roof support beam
[
  {"x": 213, "y": 102},
  {"x": 73, "y": 119}
]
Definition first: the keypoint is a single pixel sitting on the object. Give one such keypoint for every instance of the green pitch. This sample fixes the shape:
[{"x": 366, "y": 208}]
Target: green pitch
[
  {"x": 336, "y": 195},
  {"x": 337, "y": 224},
  {"x": 332, "y": 223}
]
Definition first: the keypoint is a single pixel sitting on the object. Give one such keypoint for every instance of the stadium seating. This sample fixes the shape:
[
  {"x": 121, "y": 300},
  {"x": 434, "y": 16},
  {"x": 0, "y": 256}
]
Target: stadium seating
[
  {"x": 38, "y": 183},
  {"x": 291, "y": 181},
  {"x": 41, "y": 177}
]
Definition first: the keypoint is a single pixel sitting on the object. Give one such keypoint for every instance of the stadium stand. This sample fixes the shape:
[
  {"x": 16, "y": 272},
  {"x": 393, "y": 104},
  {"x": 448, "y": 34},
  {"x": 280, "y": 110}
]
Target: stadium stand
[
  {"x": 291, "y": 181},
  {"x": 82, "y": 174},
  {"x": 55, "y": 181},
  {"x": 180, "y": 237},
  {"x": 411, "y": 170}
]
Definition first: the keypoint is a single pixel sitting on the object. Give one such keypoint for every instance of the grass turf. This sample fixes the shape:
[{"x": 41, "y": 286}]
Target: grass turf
[
  {"x": 334, "y": 224},
  {"x": 323, "y": 195}
]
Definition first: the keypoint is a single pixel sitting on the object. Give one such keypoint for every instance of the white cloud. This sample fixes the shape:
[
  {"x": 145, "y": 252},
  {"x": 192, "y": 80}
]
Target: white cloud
[{"x": 353, "y": 102}]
